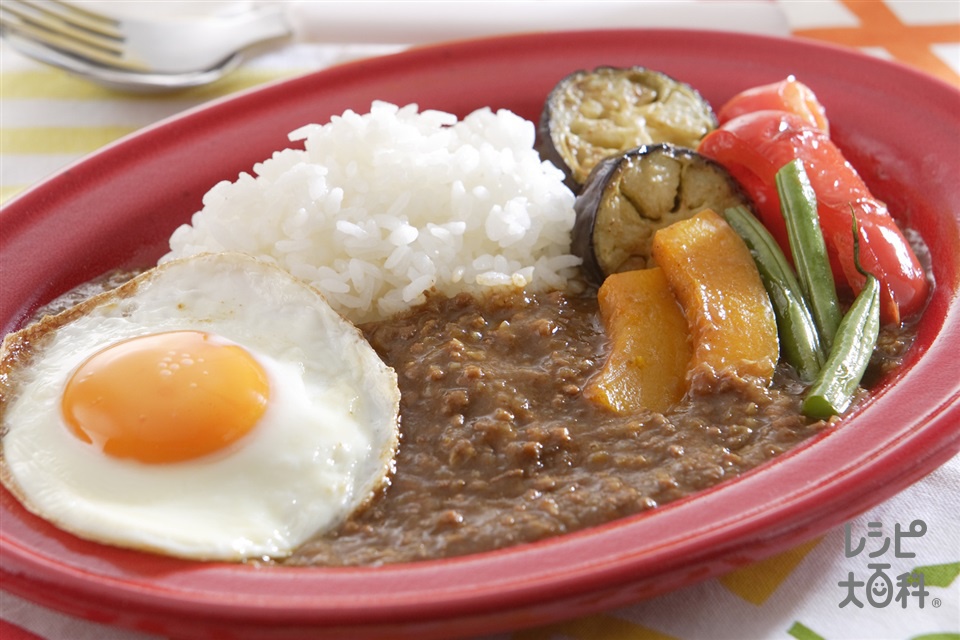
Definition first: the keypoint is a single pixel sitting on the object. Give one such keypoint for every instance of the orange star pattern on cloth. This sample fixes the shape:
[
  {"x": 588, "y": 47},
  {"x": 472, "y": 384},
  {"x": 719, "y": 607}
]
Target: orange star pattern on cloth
[{"x": 911, "y": 44}]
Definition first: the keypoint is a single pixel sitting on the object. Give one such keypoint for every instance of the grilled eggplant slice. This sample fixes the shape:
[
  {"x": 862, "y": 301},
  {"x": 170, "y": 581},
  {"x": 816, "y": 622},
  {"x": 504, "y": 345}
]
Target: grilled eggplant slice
[
  {"x": 591, "y": 115},
  {"x": 629, "y": 196}
]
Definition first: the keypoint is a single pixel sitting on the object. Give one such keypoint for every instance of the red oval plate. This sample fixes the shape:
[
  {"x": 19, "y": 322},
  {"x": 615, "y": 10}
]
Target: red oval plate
[{"x": 118, "y": 207}]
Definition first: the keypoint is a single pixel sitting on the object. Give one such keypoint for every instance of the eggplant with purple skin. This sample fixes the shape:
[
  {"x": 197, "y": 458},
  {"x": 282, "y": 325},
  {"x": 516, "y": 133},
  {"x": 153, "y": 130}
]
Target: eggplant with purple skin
[
  {"x": 628, "y": 197},
  {"x": 591, "y": 115}
]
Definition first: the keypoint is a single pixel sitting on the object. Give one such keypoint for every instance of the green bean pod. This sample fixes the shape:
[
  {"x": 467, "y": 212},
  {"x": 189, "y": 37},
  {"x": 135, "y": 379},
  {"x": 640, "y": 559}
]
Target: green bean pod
[
  {"x": 799, "y": 340},
  {"x": 856, "y": 337},
  {"x": 798, "y": 203}
]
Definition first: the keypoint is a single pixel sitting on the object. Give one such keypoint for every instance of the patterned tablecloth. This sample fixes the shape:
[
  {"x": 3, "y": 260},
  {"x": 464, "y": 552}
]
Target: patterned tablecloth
[{"x": 818, "y": 590}]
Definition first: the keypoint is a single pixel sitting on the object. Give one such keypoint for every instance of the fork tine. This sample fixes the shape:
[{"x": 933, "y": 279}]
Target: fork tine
[
  {"x": 77, "y": 16},
  {"x": 133, "y": 52},
  {"x": 17, "y": 17},
  {"x": 52, "y": 18}
]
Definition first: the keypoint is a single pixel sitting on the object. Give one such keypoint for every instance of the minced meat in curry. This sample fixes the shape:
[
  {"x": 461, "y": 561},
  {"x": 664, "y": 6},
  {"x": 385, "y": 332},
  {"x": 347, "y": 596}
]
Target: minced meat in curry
[{"x": 499, "y": 447}]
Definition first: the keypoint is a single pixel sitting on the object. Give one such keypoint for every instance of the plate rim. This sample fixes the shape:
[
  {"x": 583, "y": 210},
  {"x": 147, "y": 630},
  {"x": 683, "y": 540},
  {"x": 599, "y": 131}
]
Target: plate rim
[{"x": 18, "y": 563}]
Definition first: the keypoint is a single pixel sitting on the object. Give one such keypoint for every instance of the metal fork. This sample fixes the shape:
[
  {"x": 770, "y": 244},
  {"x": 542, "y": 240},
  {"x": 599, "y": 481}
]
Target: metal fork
[{"x": 135, "y": 53}]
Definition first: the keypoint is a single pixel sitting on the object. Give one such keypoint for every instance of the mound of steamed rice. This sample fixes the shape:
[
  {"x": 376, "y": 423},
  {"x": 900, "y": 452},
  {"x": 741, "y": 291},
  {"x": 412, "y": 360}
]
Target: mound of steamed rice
[{"x": 379, "y": 208}]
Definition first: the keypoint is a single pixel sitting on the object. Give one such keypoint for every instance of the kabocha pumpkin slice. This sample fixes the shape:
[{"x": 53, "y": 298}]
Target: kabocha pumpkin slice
[
  {"x": 650, "y": 344},
  {"x": 629, "y": 196},
  {"x": 716, "y": 281}
]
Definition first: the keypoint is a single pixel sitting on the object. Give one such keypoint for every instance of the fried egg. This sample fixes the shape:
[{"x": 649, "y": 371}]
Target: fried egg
[{"x": 214, "y": 407}]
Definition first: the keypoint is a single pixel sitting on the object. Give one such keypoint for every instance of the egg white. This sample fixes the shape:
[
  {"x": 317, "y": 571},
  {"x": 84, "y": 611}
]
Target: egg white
[{"x": 324, "y": 445}]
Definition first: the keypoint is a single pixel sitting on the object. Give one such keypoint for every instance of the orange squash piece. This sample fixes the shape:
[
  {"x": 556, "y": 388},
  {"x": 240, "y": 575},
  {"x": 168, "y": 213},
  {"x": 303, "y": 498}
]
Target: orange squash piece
[
  {"x": 650, "y": 344},
  {"x": 714, "y": 277}
]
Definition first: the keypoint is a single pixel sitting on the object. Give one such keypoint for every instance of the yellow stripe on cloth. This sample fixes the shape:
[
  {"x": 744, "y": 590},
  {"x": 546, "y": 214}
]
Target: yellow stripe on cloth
[
  {"x": 757, "y": 582},
  {"x": 8, "y": 191},
  {"x": 48, "y": 83},
  {"x": 54, "y": 84},
  {"x": 598, "y": 627},
  {"x": 63, "y": 140}
]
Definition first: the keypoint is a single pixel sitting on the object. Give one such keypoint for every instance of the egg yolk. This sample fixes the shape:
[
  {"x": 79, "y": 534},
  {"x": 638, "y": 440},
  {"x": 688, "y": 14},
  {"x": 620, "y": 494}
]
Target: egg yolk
[{"x": 165, "y": 397}]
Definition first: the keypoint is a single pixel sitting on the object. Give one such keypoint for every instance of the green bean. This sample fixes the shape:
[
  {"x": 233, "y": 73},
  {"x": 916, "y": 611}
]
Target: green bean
[
  {"x": 799, "y": 340},
  {"x": 856, "y": 337},
  {"x": 798, "y": 203}
]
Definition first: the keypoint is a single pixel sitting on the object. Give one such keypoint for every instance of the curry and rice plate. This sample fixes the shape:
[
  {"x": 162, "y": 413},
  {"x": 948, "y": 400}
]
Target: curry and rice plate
[{"x": 447, "y": 243}]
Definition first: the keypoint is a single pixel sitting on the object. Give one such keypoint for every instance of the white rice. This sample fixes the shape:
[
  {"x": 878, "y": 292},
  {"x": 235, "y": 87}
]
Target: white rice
[{"x": 377, "y": 209}]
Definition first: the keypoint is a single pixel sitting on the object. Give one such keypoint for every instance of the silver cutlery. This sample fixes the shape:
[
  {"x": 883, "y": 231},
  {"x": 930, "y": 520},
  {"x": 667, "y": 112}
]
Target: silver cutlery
[{"x": 132, "y": 53}]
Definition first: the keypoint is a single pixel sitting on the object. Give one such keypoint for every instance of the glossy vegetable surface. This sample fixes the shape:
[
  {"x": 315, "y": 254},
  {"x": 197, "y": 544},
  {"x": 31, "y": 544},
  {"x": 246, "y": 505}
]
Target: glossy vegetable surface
[
  {"x": 754, "y": 146},
  {"x": 799, "y": 339},
  {"x": 630, "y": 196},
  {"x": 650, "y": 344},
  {"x": 798, "y": 204},
  {"x": 787, "y": 95},
  {"x": 591, "y": 115},
  {"x": 713, "y": 275},
  {"x": 833, "y": 390}
]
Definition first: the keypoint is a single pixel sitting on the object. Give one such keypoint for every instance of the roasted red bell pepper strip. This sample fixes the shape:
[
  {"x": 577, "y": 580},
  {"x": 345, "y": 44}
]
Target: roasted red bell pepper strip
[
  {"x": 753, "y": 146},
  {"x": 787, "y": 95}
]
